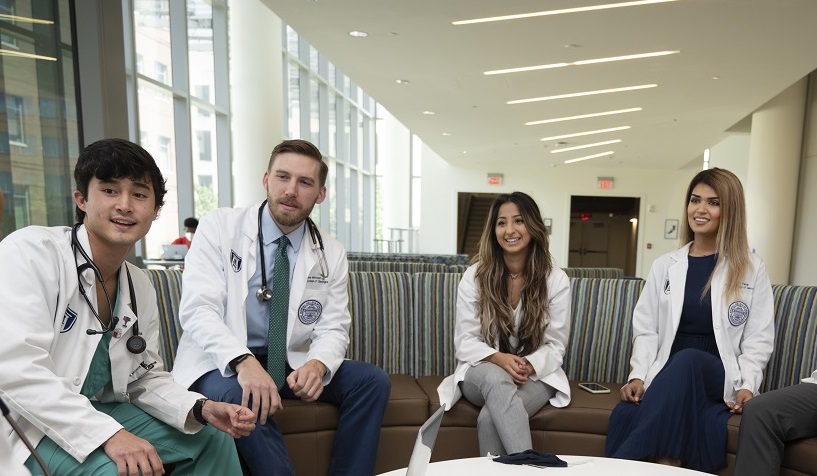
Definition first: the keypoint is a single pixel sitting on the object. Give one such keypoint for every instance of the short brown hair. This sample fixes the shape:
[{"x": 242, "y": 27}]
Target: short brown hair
[{"x": 301, "y": 147}]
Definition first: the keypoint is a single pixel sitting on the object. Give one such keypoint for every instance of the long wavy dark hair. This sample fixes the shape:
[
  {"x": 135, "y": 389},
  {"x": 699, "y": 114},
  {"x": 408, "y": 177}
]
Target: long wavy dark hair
[{"x": 494, "y": 308}]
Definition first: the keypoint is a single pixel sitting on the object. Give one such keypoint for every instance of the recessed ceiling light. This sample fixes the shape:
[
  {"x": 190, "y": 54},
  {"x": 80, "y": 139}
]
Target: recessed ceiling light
[
  {"x": 716, "y": 77},
  {"x": 447, "y": 134},
  {"x": 429, "y": 113},
  {"x": 585, "y": 93},
  {"x": 587, "y": 133},
  {"x": 585, "y": 146},
  {"x": 559, "y": 12},
  {"x": 579, "y": 159},
  {"x": 358, "y": 34},
  {"x": 402, "y": 81},
  {"x": 580, "y": 63},
  {"x": 583, "y": 116}
]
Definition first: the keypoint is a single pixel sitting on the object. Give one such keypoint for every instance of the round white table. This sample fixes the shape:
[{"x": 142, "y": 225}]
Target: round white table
[{"x": 576, "y": 466}]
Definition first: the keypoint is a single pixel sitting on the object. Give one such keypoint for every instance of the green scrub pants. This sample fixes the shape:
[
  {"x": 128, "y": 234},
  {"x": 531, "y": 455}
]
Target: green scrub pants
[{"x": 208, "y": 452}]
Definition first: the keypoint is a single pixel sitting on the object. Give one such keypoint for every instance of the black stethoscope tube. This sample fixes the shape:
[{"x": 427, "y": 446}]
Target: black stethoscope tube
[
  {"x": 264, "y": 293},
  {"x": 136, "y": 343}
]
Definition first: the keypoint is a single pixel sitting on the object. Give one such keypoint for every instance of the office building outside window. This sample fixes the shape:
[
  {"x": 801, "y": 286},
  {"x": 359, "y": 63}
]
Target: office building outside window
[
  {"x": 183, "y": 106},
  {"x": 39, "y": 127}
]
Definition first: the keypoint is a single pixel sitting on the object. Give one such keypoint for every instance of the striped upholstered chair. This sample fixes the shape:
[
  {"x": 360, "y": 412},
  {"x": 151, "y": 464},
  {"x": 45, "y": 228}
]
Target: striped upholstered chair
[
  {"x": 601, "y": 331},
  {"x": 435, "y": 309},
  {"x": 604, "y": 273},
  {"x": 397, "y": 266},
  {"x": 795, "y": 346},
  {"x": 380, "y": 306},
  {"x": 168, "y": 285}
]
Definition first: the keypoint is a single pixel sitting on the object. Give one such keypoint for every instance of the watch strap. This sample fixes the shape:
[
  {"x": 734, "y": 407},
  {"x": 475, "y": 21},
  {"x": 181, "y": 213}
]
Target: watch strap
[
  {"x": 234, "y": 363},
  {"x": 197, "y": 410}
]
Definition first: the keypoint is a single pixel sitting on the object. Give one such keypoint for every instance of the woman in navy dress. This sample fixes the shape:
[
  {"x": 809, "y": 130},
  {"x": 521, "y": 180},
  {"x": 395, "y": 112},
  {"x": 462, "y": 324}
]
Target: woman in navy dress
[{"x": 703, "y": 330}]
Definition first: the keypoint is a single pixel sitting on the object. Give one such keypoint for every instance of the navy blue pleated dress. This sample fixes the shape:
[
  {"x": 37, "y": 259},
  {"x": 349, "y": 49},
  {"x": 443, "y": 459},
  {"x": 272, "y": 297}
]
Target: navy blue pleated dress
[{"x": 682, "y": 414}]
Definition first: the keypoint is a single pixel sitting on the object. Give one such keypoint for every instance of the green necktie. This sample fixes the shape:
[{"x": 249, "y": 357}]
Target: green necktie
[{"x": 278, "y": 314}]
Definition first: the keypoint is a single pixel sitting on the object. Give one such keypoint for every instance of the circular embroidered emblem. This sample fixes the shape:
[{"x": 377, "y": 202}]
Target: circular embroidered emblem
[
  {"x": 309, "y": 312},
  {"x": 738, "y": 313}
]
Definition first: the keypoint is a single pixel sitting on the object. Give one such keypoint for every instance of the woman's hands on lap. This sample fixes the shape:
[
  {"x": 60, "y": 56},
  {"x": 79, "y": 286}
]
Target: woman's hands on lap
[{"x": 517, "y": 367}]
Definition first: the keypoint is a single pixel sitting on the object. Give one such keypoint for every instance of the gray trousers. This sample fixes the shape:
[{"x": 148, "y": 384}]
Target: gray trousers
[
  {"x": 769, "y": 421},
  {"x": 503, "y": 426}
]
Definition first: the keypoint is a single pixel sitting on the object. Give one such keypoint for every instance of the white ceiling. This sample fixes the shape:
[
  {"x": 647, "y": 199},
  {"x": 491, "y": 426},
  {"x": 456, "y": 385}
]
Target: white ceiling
[{"x": 756, "y": 48}]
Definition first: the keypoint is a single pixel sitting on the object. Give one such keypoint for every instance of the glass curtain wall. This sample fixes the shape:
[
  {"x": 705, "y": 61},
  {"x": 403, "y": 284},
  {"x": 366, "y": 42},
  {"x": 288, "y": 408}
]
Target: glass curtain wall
[
  {"x": 39, "y": 126},
  {"x": 180, "y": 62},
  {"x": 325, "y": 107}
]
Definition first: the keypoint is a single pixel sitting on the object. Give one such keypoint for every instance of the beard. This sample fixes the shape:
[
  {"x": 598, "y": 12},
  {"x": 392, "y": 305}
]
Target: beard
[{"x": 290, "y": 218}]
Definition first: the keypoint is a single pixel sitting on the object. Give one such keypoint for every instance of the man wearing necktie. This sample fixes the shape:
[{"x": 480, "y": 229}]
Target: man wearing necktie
[{"x": 265, "y": 317}]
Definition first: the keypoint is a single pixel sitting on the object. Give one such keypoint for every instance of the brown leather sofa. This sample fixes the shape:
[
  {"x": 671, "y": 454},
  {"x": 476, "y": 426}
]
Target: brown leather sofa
[{"x": 404, "y": 323}]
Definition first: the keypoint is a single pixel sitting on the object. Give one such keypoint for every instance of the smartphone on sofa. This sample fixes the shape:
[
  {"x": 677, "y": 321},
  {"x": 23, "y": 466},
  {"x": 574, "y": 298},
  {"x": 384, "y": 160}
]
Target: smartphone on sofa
[{"x": 594, "y": 387}]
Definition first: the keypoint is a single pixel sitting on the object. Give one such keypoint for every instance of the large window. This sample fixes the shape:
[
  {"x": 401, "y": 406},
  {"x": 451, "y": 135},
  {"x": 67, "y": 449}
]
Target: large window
[
  {"x": 327, "y": 108},
  {"x": 183, "y": 106},
  {"x": 39, "y": 140}
]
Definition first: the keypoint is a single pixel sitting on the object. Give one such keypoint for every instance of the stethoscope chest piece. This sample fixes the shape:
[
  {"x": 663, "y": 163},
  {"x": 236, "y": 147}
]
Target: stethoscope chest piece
[
  {"x": 136, "y": 344},
  {"x": 264, "y": 293}
]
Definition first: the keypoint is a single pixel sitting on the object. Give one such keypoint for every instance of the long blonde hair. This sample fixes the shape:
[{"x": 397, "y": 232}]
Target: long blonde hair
[
  {"x": 493, "y": 305},
  {"x": 731, "y": 241}
]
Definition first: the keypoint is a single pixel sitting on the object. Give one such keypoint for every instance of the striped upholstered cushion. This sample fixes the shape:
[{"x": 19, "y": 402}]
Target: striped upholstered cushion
[
  {"x": 168, "y": 285},
  {"x": 435, "y": 309},
  {"x": 380, "y": 305},
  {"x": 397, "y": 266},
  {"x": 795, "y": 347},
  {"x": 417, "y": 258},
  {"x": 601, "y": 332},
  {"x": 611, "y": 273}
]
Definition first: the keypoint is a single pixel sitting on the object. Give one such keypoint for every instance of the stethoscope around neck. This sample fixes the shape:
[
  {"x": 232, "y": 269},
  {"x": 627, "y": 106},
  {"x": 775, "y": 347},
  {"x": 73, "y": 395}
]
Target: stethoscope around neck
[
  {"x": 136, "y": 343},
  {"x": 264, "y": 293}
]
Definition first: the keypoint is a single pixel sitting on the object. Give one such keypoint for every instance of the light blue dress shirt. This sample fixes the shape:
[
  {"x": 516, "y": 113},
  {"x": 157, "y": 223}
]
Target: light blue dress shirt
[{"x": 258, "y": 311}]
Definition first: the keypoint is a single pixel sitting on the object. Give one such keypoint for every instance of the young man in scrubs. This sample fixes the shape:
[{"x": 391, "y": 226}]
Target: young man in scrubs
[{"x": 79, "y": 362}]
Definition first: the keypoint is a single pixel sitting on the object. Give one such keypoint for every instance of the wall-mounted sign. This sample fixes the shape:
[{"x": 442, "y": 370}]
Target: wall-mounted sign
[
  {"x": 605, "y": 183},
  {"x": 495, "y": 179}
]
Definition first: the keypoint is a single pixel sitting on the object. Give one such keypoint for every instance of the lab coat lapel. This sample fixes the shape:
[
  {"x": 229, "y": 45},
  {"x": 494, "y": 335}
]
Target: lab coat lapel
[
  {"x": 677, "y": 275},
  {"x": 303, "y": 269},
  {"x": 250, "y": 244},
  {"x": 126, "y": 318}
]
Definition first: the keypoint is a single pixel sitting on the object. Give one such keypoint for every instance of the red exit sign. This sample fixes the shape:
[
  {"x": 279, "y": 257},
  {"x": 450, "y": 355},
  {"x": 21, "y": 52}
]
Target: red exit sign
[
  {"x": 605, "y": 183},
  {"x": 494, "y": 179}
]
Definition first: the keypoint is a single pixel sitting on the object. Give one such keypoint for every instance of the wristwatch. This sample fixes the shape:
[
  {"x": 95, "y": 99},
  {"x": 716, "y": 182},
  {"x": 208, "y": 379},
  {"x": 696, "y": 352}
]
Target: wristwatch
[
  {"x": 234, "y": 363},
  {"x": 197, "y": 408}
]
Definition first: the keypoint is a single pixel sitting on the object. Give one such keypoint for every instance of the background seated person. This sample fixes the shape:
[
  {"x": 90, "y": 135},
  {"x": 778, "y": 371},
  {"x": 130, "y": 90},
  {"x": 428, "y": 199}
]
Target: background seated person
[{"x": 190, "y": 225}]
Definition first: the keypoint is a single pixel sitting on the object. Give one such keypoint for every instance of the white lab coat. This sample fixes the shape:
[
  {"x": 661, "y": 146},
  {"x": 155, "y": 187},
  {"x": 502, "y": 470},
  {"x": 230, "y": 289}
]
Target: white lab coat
[
  {"x": 45, "y": 352},
  {"x": 470, "y": 348},
  {"x": 744, "y": 327},
  {"x": 212, "y": 313},
  {"x": 10, "y": 466}
]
